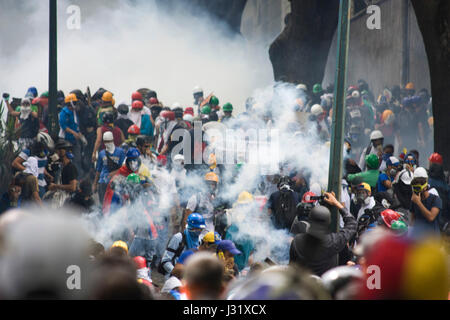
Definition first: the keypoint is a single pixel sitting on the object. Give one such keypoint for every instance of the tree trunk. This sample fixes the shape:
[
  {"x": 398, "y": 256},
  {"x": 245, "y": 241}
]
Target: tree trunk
[
  {"x": 228, "y": 12},
  {"x": 299, "y": 54},
  {"x": 433, "y": 17}
]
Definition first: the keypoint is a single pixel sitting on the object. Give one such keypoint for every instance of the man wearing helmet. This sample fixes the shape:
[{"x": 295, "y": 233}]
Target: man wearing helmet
[
  {"x": 425, "y": 207},
  {"x": 107, "y": 126},
  {"x": 375, "y": 147},
  {"x": 182, "y": 241},
  {"x": 123, "y": 122},
  {"x": 370, "y": 176},
  {"x": 109, "y": 161}
]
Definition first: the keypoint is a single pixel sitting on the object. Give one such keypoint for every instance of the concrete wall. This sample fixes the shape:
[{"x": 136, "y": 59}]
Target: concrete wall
[{"x": 376, "y": 55}]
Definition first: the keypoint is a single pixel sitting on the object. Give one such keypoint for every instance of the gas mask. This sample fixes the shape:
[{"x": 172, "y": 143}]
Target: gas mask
[
  {"x": 362, "y": 198},
  {"x": 393, "y": 172},
  {"x": 134, "y": 164},
  {"x": 419, "y": 188},
  {"x": 110, "y": 147}
]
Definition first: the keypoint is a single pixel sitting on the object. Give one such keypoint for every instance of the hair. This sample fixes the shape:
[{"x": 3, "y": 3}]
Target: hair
[
  {"x": 205, "y": 272},
  {"x": 389, "y": 146}
]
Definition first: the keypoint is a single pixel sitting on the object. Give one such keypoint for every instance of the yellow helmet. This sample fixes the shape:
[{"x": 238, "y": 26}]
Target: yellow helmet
[
  {"x": 120, "y": 244},
  {"x": 409, "y": 86},
  {"x": 386, "y": 114},
  {"x": 107, "y": 96},
  {"x": 211, "y": 237},
  {"x": 245, "y": 197},
  {"x": 70, "y": 97},
  {"x": 211, "y": 176}
]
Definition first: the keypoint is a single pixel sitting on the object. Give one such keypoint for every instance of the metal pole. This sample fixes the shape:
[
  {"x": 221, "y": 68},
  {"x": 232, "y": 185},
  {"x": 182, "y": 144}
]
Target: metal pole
[
  {"x": 53, "y": 73},
  {"x": 337, "y": 133},
  {"x": 405, "y": 42}
]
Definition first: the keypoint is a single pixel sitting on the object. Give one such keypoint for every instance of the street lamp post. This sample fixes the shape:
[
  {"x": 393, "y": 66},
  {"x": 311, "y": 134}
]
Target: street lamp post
[{"x": 53, "y": 72}]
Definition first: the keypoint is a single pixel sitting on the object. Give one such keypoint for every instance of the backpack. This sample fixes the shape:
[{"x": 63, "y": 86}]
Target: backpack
[{"x": 177, "y": 254}]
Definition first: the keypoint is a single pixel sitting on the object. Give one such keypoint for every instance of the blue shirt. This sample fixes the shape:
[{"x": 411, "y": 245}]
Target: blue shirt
[
  {"x": 118, "y": 156},
  {"x": 381, "y": 178},
  {"x": 67, "y": 120},
  {"x": 421, "y": 223}
]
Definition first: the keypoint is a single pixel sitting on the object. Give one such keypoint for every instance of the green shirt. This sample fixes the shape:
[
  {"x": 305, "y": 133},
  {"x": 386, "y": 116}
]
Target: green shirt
[
  {"x": 33, "y": 108},
  {"x": 244, "y": 244}
]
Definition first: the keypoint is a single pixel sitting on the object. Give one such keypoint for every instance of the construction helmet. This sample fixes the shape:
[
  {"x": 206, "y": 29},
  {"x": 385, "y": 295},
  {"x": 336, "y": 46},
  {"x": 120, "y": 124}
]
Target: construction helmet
[
  {"x": 420, "y": 173},
  {"x": 317, "y": 88},
  {"x": 133, "y": 153},
  {"x": 364, "y": 186},
  {"x": 107, "y": 97},
  {"x": 389, "y": 216},
  {"x": 140, "y": 262},
  {"x": 227, "y": 107},
  {"x": 399, "y": 227},
  {"x": 169, "y": 115},
  {"x": 134, "y": 129},
  {"x": 197, "y": 90},
  {"x": 70, "y": 98},
  {"x": 212, "y": 238},
  {"x": 136, "y": 96},
  {"x": 122, "y": 108},
  {"x": 189, "y": 110},
  {"x": 214, "y": 101},
  {"x": 245, "y": 197},
  {"x": 436, "y": 158},
  {"x": 307, "y": 197},
  {"x": 302, "y": 86},
  {"x": 120, "y": 244},
  {"x": 46, "y": 140},
  {"x": 153, "y": 101},
  {"x": 316, "y": 109},
  {"x": 211, "y": 176},
  {"x": 196, "y": 221},
  {"x": 409, "y": 86},
  {"x": 376, "y": 134},
  {"x": 108, "y": 117},
  {"x": 206, "y": 109},
  {"x": 133, "y": 178},
  {"x": 108, "y": 136},
  {"x": 372, "y": 161},
  {"x": 137, "y": 104}
]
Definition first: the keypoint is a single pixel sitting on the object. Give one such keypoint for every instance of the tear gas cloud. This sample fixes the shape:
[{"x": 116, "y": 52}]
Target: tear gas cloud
[{"x": 123, "y": 46}]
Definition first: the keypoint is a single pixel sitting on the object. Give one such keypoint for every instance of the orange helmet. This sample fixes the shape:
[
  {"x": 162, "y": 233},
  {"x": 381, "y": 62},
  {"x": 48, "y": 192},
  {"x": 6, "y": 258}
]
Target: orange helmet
[
  {"x": 386, "y": 114},
  {"x": 70, "y": 97},
  {"x": 409, "y": 86},
  {"x": 107, "y": 96},
  {"x": 211, "y": 176}
]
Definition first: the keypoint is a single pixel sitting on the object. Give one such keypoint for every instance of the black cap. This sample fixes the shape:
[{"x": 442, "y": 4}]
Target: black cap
[{"x": 63, "y": 144}]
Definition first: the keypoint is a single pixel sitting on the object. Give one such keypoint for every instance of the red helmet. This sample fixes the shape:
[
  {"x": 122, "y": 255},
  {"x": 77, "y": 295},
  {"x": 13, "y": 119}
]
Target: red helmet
[
  {"x": 137, "y": 104},
  {"x": 161, "y": 159},
  {"x": 189, "y": 110},
  {"x": 436, "y": 158},
  {"x": 134, "y": 129},
  {"x": 153, "y": 101},
  {"x": 168, "y": 115},
  {"x": 140, "y": 262},
  {"x": 307, "y": 197},
  {"x": 389, "y": 216},
  {"x": 136, "y": 96}
]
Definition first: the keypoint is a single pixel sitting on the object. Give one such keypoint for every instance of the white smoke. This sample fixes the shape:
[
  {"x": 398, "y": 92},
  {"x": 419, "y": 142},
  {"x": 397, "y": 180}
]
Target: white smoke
[{"x": 124, "y": 46}]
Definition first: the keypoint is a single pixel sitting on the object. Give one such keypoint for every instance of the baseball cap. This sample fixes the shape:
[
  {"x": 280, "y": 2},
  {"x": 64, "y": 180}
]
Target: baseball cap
[
  {"x": 228, "y": 245},
  {"x": 212, "y": 237}
]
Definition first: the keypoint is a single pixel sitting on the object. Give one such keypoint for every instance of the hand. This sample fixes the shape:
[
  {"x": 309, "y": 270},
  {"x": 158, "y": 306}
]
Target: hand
[
  {"x": 52, "y": 187},
  {"x": 415, "y": 198},
  {"x": 94, "y": 158},
  {"x": 330, "y": 198}
]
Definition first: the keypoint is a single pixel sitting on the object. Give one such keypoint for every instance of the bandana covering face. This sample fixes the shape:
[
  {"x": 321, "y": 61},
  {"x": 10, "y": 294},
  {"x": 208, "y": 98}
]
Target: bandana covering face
[{"x": 25, "y": 112}]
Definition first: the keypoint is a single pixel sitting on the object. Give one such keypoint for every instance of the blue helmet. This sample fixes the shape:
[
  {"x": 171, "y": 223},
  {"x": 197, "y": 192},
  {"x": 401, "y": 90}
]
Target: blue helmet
[
  {"x": 196, "y": 221},
  {"x": 133, "y": 153}
]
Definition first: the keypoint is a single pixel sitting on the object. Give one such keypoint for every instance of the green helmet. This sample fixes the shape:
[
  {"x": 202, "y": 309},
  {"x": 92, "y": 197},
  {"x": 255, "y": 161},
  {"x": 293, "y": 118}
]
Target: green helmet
[
  {"x": 399, "y": 227},
  {"x": 206, "y": 109},
  {"x": 317, "y": 88},
  {"x": 227, "y": 107},
  {"x": 214, "y": 101},
  {"x": 372, "y": 161},
  {"x": 133, "y": 178}
]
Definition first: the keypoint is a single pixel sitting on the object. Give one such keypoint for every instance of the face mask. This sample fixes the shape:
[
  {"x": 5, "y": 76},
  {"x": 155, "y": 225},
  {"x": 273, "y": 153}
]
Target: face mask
[
  {"x": 178, "y": 166},
  {"x": 361, "y": 198},
  {"x": 419, "y": 188},
  {"x": 194, "y": 234},
  {"x": 110, "y": 147},
  {"x": 134, "y": 165},
  {"x": 25, "y": 112}
]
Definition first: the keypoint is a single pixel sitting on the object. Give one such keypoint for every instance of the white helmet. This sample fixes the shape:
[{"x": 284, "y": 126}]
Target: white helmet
[
  {"x": 302, "y": 86},
  {"x": 376, "y": 134},
  {"x": 316, "y": 109},
  {"x": 197, "y": 89},
  {"x": 420, "y": 173},
  {"x": 355, "y": 94},
  {"x": 188, "y": 117},
  {"x": 178, "y": 158},
  {"x": 108, "y": 136},
  {"x": 46, "y": 140}
]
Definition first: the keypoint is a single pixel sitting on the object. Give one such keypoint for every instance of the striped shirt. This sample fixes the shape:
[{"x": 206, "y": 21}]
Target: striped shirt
[{"x": 42, "y": 163}]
